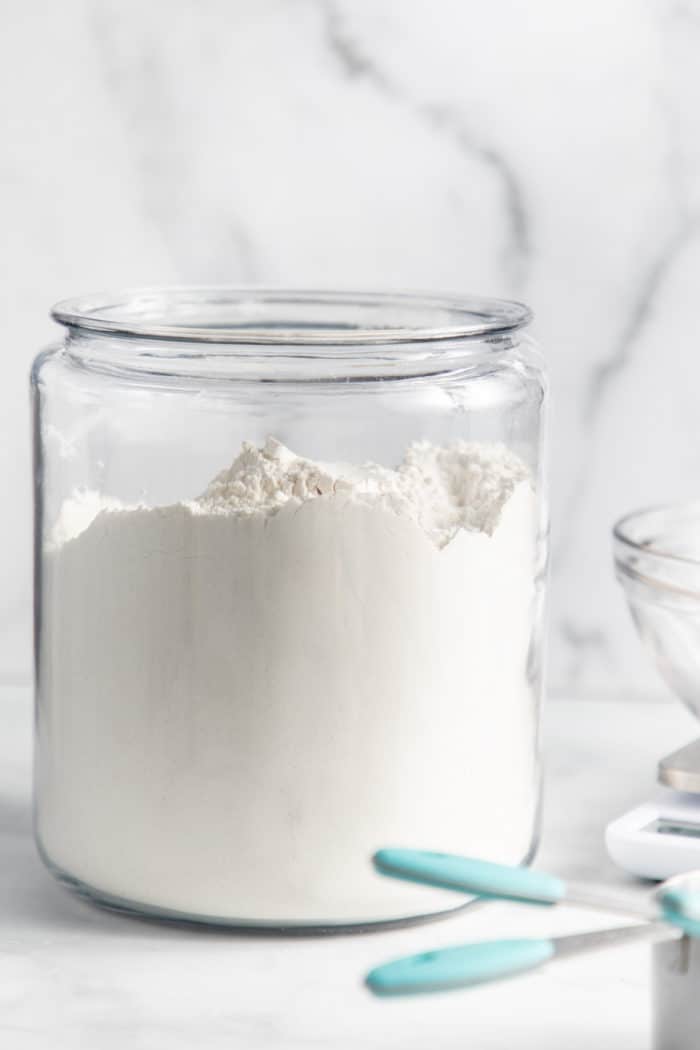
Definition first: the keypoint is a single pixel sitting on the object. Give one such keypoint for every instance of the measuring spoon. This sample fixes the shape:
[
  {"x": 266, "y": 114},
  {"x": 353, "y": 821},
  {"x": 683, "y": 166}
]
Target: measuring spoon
[
  {"x": 676, "y": 904},
  {"x": 486, "y": 961}
]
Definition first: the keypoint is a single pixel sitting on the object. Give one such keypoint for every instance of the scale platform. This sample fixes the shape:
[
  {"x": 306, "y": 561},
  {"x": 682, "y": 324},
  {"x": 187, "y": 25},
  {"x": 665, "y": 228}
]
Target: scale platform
[{"x": 681, "y": 770}]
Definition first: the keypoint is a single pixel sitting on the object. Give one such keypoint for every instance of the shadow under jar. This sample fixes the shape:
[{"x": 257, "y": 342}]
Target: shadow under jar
[{"x": 290, "y": 557}]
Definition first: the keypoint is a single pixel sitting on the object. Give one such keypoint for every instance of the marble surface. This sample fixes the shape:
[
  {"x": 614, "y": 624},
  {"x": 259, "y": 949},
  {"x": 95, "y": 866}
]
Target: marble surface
[
  {"x": 72, "y": 975},
  {"x": 540, "y": 151}
]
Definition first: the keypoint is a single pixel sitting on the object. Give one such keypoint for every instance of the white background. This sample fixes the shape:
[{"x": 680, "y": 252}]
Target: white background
[{"x": 541, "y": 150}]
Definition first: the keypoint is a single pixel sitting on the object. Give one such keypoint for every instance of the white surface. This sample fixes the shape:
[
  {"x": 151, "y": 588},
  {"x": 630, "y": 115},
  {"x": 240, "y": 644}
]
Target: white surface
[
  {"x": 73, "y": 976},
  {"x": 541, "y": 150}
]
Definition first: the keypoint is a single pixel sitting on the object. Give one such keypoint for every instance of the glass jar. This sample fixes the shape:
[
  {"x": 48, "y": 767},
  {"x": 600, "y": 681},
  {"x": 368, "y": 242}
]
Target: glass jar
[{"x": 290, "y": 561}]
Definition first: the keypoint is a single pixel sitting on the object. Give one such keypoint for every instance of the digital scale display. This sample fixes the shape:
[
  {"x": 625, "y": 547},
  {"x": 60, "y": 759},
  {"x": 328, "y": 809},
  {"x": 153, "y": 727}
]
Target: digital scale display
[
  {"x": 674, "y": 827},
  {"x": 658, "y": 839}
]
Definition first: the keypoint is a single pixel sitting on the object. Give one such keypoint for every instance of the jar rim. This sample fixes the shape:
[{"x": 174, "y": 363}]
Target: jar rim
[{"x": 276, "y": 316}]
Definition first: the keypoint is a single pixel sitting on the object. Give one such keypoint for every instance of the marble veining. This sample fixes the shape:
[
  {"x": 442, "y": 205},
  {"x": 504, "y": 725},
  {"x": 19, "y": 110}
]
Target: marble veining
[
  {"x": 447, "y": 120},
  {"x": 531, "y": 151},
  {"x": 640, "y": 310}
]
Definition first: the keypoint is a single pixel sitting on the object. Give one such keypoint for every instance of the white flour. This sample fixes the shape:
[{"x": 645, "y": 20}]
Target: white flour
[{"x": 244, "y": 696}]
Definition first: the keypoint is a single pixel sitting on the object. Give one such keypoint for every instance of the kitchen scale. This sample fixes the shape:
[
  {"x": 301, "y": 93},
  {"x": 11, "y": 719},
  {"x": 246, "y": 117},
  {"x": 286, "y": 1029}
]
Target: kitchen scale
[
  {"x": 661, "y": 838},
  {"x": 657, "y": 562}
]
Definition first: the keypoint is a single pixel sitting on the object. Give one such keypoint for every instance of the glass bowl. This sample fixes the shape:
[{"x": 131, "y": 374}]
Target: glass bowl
[{"x": 657, "y": 561}]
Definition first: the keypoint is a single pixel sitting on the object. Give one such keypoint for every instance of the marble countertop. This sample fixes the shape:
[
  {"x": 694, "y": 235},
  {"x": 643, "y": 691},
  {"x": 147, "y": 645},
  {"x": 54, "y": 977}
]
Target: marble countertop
[{"x": 73, "y": 975}]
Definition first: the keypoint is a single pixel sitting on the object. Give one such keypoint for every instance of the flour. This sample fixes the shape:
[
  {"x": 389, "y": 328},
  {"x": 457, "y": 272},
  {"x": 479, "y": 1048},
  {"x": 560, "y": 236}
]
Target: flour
[
  {"x": 440, "y": 489},
  {"x": 243, "y": 696}
]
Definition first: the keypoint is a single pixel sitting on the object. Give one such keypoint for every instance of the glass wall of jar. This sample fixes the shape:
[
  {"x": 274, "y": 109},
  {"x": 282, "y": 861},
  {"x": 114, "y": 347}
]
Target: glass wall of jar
[{"x": 290, "y": 562}]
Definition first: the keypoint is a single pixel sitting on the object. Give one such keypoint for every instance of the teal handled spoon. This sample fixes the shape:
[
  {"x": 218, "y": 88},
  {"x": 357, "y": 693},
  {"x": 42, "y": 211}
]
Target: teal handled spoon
[
  {"x": 486, "y": 961},
  {"x": 672, "y": 912},
  {"x": 680, "y": 906},
  {"x": 674, "y": 903}
]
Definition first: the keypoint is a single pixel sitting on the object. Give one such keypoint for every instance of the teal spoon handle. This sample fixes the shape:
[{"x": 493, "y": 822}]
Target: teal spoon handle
[
  {"x": 677, "y": 906},
  {"x": 490, "y": 960},
  {"x": 459, "y": 967},
  {"x": 468, "y": 875},
  {"x": 681, "y": 908}
]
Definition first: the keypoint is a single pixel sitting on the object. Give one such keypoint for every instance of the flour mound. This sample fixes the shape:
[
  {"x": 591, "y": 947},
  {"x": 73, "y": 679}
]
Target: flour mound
[{"x": 442, "y": 489}]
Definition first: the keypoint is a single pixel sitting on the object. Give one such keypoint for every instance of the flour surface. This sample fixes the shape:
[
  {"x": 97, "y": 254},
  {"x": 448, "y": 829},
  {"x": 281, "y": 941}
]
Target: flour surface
[{"x": 440, "y": 489}]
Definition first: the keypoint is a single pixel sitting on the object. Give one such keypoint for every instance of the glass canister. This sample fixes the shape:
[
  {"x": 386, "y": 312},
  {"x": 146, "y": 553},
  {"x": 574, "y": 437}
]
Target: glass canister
[{"x": 290, "y": 562}]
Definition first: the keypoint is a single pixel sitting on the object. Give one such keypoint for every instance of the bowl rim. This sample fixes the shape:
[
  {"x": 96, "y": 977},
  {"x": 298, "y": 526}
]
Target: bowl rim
[{"x": 622, "y": 537}]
